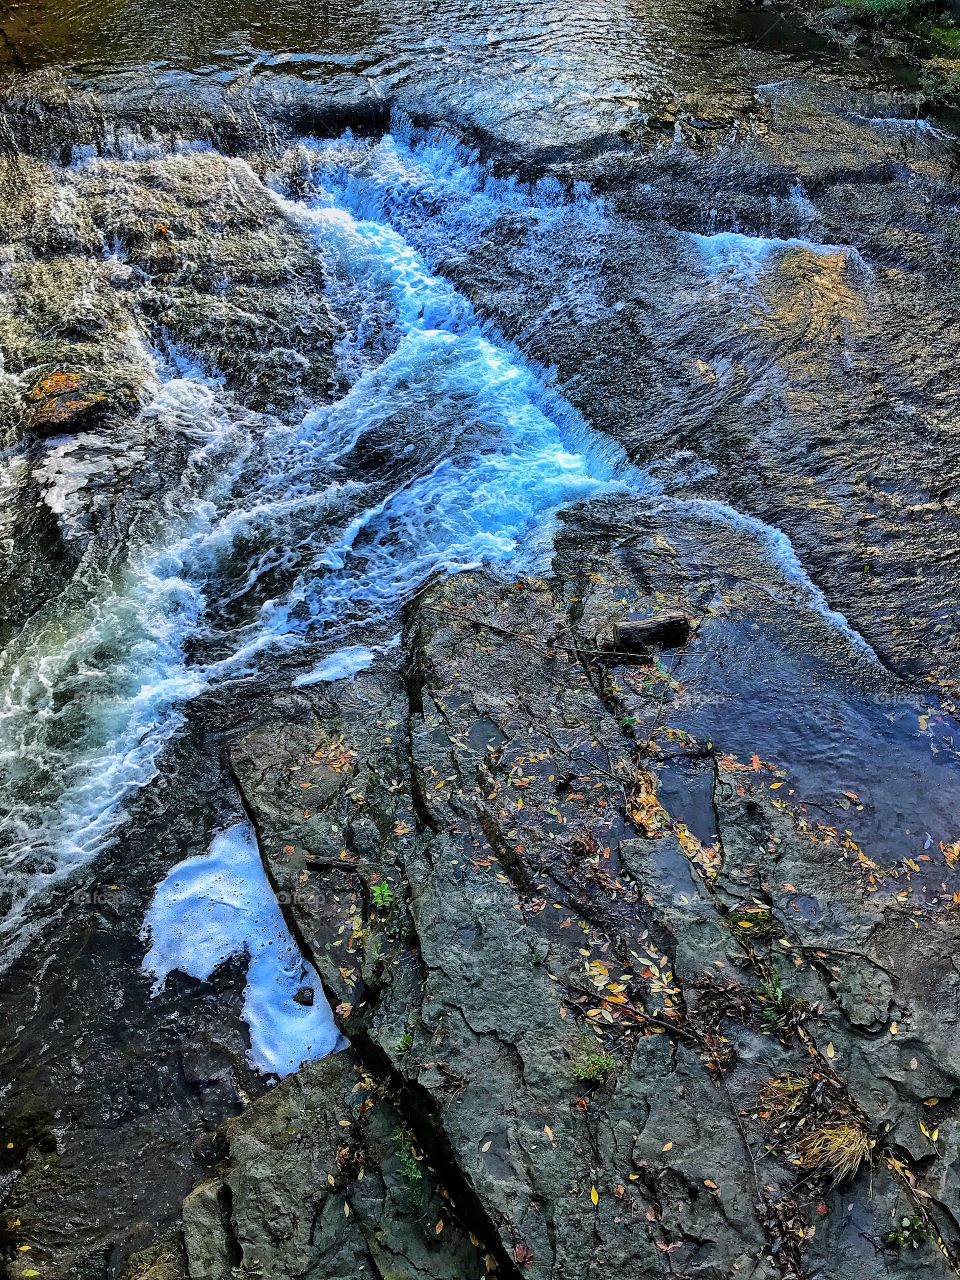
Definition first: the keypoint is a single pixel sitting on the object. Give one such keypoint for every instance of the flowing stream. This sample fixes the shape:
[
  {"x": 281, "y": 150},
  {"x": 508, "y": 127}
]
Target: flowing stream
[
  {"x": 447, "y": 450},
  {"x": 383, "y": 295}
]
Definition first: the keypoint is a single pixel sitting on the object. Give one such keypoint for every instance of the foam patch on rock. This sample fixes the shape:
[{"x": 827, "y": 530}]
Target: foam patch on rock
[{"x": 220, "y": 904}]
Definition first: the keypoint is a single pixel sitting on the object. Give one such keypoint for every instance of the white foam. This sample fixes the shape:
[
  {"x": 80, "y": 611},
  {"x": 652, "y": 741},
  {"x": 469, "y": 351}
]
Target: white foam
[
  {"x": 740, "y": 259},
  {"x": 901, "y": 124},
  {"x": 341, "y": 665},
  {"x": 346, "y": 662},
  {"x": 220, "y": 904}
]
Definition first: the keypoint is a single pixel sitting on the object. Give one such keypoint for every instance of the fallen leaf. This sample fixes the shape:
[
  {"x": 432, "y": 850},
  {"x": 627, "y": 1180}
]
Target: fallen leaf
[
  {"x": 667, "y": 1146},
  {"x": 595, "y": 1195}
]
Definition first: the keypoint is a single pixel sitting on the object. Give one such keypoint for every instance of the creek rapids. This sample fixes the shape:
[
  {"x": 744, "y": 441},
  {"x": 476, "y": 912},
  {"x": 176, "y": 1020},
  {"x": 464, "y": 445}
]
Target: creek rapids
[{"x": 364, "y": 910}]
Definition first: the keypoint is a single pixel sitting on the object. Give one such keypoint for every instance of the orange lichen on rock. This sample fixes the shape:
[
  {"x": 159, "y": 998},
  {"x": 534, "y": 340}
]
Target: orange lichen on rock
[{"x": 61, "y": 401}]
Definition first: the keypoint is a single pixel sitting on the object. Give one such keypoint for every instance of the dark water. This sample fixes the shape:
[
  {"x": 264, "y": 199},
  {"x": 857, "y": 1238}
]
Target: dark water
[
  {"x": 537, "y": 73},
  {"x": 699, "y": 268}
]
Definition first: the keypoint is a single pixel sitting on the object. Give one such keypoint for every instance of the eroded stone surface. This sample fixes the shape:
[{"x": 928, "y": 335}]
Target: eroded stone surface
[{"x": 575, "y": 1004}]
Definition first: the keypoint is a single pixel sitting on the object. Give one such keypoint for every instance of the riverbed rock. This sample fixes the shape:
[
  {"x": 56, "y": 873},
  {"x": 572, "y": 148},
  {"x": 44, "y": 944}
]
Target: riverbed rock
[
  {"x": 322, "y": 1178},
  {"x": 576, "y": 1007},
  {"x": 163, "y": 1261},
  {"x": 67, "y": 402},
  {"x": 566, "y": 1009}
]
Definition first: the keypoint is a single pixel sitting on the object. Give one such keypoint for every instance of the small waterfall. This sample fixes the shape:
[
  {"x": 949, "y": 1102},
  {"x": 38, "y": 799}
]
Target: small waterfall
[
  {"x": 276, "y": 548},
  {"x": 446, "y": 451}
]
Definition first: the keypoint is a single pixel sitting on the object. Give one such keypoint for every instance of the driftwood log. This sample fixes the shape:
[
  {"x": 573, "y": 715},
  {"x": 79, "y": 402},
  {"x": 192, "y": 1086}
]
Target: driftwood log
[{"x": 665, "y": 630}]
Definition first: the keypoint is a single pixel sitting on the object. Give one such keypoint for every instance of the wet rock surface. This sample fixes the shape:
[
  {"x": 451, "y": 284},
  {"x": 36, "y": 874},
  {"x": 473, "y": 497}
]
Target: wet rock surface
[
  {"x": 620, "y": 1050},
  {"x": 66, "y": 401},
  {"x": 666, "y": 630}
]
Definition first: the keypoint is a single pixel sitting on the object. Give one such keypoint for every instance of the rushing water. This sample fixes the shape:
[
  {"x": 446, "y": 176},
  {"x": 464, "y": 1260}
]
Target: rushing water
[{"x": 447, "y": 450}]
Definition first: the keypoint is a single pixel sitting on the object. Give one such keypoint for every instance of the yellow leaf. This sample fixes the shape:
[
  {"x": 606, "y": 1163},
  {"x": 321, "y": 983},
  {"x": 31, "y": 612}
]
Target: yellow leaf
[
  {"x": 831, "y": 1051},
  {"x": 935, "y": 1135},
  {"x": 594, "y": 1195},
  {"x": 894, "y": 1028},
  {"x": 667, "y": 1146},
  {"x": 774, "y": 785},
  {"x": 745, "y": 924},
  {"x": 930, "y": 1102}
]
